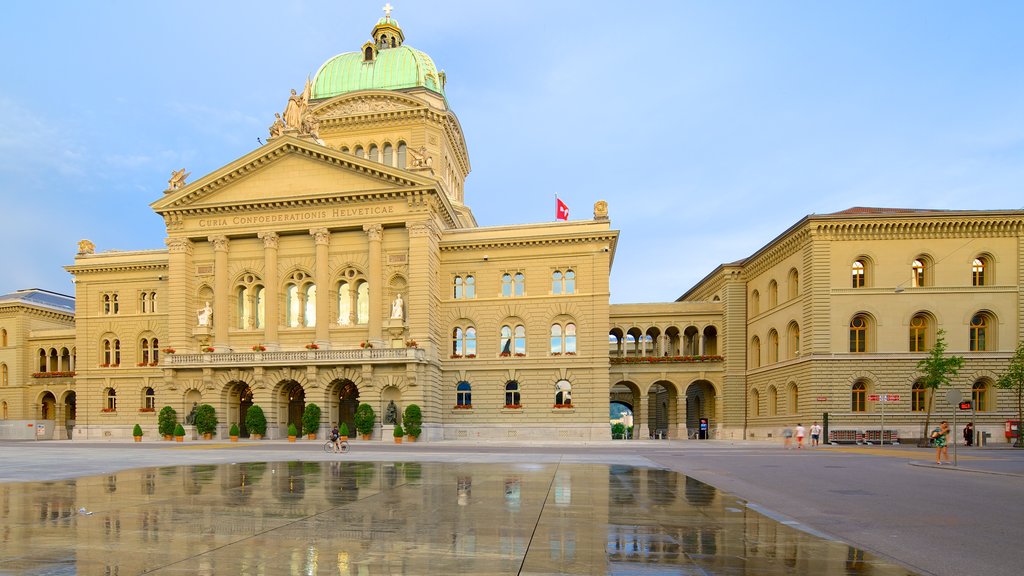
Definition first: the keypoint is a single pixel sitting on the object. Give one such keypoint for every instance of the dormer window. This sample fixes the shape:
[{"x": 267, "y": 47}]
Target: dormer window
[{"x": 368, "y": 54}]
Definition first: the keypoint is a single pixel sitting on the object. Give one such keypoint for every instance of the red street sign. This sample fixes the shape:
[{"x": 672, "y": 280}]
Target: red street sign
[
  {"x": 965, "y": 405},
  {"x": 884, "y": 397},
  {"x": 873, "y": 397},
  {"x": 822, "y": 398}
]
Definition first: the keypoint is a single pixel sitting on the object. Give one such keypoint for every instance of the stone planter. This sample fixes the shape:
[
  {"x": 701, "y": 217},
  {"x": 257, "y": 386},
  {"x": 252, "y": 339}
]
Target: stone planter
[
  {"x": 398, "y": 439},
  {"x": 256, "y": 436},
  {"x": 291, "y": 438},
  {"x": 179, "y": 438},
  {"x": 137, "y": 438},
  {"x": 207, "y": 436},
  {"x": 233, "y": 438}
]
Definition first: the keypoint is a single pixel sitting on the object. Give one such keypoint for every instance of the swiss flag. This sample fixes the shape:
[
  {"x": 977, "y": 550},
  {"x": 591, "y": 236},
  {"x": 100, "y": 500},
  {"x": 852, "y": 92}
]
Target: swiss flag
[{"x": 561, "y": 210}]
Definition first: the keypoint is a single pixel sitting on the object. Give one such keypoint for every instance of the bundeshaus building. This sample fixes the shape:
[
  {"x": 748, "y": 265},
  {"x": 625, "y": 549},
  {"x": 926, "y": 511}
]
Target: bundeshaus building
[{"x": 340, "y": 263}]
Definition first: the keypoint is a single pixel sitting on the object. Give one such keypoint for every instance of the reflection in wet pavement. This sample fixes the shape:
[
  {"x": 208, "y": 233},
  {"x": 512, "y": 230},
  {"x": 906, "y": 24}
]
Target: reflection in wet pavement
[{"x": 368, "y": 518}]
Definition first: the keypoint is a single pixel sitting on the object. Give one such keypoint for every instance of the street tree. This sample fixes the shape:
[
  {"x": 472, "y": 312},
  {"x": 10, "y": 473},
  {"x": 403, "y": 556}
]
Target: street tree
[
  {"x": 1013, "y": 379},
  {"x": 937, "y": 370}
]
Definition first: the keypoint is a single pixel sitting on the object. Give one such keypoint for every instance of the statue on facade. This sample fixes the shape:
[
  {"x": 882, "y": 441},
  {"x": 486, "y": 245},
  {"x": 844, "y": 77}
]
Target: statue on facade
[
  {"x": 311, "y": 126},
  {"x": 86, "y": 247},
  {"x": 295, "y": 110},
  {"x": 391, "y": 413},
  {"x": 277, "y": 128},
  {"x": 191, "y": 418},
  {"x": 397, "y": 311},
  {"x": 421, "y": 159},
  {"x": 177, "y": 179},
  {"x": 205, "y": 315}
]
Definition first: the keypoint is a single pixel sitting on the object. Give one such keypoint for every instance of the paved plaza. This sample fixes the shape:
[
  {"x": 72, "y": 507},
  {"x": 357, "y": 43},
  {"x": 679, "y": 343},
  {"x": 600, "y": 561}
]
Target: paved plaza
[{"x": 655, "y": 507}]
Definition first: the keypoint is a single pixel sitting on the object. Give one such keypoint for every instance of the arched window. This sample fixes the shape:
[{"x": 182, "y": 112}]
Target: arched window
[
  {"x": 773, "y": 346},
  {"x": 519, "y": 282},
  {"x": 556, "y": 282},
  {"x": 563, "y": 282},
  {"x": 3, "y": 337},
  {"x": 570, "y": 281},
  {"x": 793, "y": 340},
  {"x": 111, "y": 398},
  {"x": 793, "y": 396},
  {"x": 563, "y": 393},
  {"x": 368, "y": 54},
  {"x": 464, "y": 287},
  {"x": 3, "y": 375},
  {"x": 309, "y": 318},
  {"x": 358, "y": 152},
  {"x": 293, "y": 306},
  {"x": 506, "y": 341},
  {"x": 563, "y": 338},
  {"x": 458, "y": 292},
  {"x": 755, "y": 303},
  {"x": 859, "y": 334},
  {"x": 506, "y": 285},
  {"x": 42, "y": 360},
  {"x": 978, "y": 271},
  {"x": 919, "y": 333},
  {"x": 979, "y": 332},
  {"x": 755, "y": 352},
  {"x": 464, "y": 341},
  {"x": 755, "y": 402},
  {"x": 149, "y": 399},
  {"x": 362, "y": 302},
  {"x": 520, "y": 341},
  {"x": 344, "y": 303},
  {"x": 979, "y": 396},
  {"x": 374, "y": 153},
  {"x": 918, "y": 272},
  {"x": 917, "y": 397},
  {"x": 711, "y": 340},
  {"x": 389, "y": 154},
  {"x": 144, "y": 352},
  {"x": 794, "y": 283},
  {"x": 858, "y": 397},
  {"x": 464, "y": 395},
  {"x": 773, "y": 294},
  {"x": 512, "y": 397},
  {"x": 401, "y": 154},
  {"x": 857, "y": 269},
  {"x": 773, "y": 401}
]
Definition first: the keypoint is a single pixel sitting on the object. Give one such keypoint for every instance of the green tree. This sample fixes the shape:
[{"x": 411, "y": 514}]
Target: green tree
[
  {"x": 166, "y": 420},
  {"x": 1013, "y": 379},
  {"x": 938, "y": 370},
  {"x": 311, "y": 419},
  {"x": 255, "y": 420},
  {"x": 206, "y": 419},
  {"x": 413, "y": 420},
  {"x": 365, "y": 418}
]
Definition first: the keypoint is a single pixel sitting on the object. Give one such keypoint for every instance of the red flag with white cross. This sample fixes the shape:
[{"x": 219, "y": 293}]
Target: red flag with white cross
[{"x": 561, "y": 210}]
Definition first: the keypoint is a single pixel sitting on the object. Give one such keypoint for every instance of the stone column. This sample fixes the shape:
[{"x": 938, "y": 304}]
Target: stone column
[
  {"x": 181, "y": 314},
  {"x": 321, "y": 275},
  {"x": 272, "y": 287},
  {"x": 221, "y": 291},
  {"x": 640, "y": 428},
  {"x": 374, "y": 233}
]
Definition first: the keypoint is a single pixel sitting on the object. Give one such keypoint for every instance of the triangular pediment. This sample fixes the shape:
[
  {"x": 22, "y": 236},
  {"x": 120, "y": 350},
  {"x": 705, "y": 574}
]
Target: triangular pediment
[
  {"x": 290, "y": 170},
  {"x": 366, "y": 102}
]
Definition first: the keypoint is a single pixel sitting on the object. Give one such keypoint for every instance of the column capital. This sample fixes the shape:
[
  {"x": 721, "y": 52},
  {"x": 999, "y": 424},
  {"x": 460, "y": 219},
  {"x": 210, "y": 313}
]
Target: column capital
[
  {"x": 269, "y": 239},
  {"x": 220, "y": 242},
  {"x": 373, "y": 231},
  {"x": 420, "y": 229},
  {"x": 321, "y": 235},
  {"x": 179, "y": 245}
]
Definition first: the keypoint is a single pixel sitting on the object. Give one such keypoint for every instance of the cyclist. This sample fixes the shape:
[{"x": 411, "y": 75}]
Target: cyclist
[{"x": 335, "y": 437}]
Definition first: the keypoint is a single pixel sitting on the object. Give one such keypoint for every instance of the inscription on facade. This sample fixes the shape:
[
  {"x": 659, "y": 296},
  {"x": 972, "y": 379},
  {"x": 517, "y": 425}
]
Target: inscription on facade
[{"x": 289, "y": 217}]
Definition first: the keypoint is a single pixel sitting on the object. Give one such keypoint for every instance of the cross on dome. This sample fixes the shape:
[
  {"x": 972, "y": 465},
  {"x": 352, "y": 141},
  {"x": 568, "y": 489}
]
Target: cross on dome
[{"x": 387, "y": 10}]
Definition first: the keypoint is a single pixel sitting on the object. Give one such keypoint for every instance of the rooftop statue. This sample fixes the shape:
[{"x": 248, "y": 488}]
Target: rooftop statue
[{"x": 177, "y": 179}]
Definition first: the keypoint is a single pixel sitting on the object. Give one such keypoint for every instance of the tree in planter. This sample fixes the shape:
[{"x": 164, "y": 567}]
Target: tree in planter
[
  {"x": 413, "y": 418},
  {"x": 233, "y": 432},
  {"x": 206, "y": 419},
  {"x": 937, "y": 371},
  {"x": 398, "y": 433},
  {"x": 365, "y": 419},
  {"x": 137, "y": 431},
  {"x": 1013, "y": 379},
  {"x": 311, "y": 419},
  {"x": 166, "y": 420},
  {"x": 179, "y": 430},
  {"x": 343, "y": 430},
  {"x": 255, "y": 421},
  {"x": 292, "y": 430}
]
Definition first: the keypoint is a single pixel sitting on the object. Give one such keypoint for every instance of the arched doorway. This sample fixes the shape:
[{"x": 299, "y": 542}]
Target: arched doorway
[
  {"x": 295, "y": 397},
  {"x": 48, "y": 407},
  {"x": 661, "y": 410},
  {"x": 241, "y": 397},
  {"x": 700, "y": 403},
  {"x": 70, "y": 413},
  {"x": 348, "y": 401},
  {"x": 626, "y": 395},
  {"x": 621, "y": 413}
]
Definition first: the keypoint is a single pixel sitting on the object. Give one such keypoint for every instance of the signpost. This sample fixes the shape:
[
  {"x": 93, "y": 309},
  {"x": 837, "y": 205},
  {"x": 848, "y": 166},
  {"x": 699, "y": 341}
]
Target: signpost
[
  {"x": 954, "y": 397},
  {"x": 883, "y": 398}
]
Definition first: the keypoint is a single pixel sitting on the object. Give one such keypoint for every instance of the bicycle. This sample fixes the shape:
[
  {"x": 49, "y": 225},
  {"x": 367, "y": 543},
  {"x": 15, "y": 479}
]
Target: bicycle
[{"x": 340, "y": 446}]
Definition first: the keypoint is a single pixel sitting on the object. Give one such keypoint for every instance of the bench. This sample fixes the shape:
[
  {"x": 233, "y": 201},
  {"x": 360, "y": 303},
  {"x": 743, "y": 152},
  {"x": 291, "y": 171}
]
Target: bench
[
  {"x": 845, "y": 436},
  {"x": 891, "y": 436}
]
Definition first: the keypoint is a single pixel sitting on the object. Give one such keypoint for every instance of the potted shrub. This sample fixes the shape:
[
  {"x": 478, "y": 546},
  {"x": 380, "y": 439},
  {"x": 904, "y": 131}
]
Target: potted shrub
[
  {"x": 206, "y": 421},
  {"x": 292, "y": 432},
  {"x": 256, "y": 422},
  {"x": 166, "y": 420},
  {"x": 413, "y": 418},
  {"x": 398, "y": 433},
  {"x": 137, "y": 433},
  {"x": 179, "y": 432},
  {"x": 233, "y": 433},
  {"x": 618, "y": 431},
  {"x": 365, "y": 419},
  {"x": 343, "y": 431},
  {"x": 311, "y": 420}
]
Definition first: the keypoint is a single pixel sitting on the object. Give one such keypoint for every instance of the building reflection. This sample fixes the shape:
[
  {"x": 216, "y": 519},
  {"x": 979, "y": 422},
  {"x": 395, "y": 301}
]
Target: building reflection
[{"x": 378, "y": 518}]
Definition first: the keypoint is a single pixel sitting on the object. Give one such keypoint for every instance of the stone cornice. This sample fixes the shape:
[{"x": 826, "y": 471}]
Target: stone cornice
[
  {"x": 776, "y": 253},
  {"x": 79, "y": 269},
  {"x": 11, "y": 310},
  {"x": 462, "y": 245},
  {"x": 921, "y": 226}
]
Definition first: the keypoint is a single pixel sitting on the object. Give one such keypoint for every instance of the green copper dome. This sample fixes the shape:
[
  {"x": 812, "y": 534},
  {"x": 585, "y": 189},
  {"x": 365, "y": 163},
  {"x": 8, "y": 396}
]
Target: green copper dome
[{"x": 395, "y": 68}]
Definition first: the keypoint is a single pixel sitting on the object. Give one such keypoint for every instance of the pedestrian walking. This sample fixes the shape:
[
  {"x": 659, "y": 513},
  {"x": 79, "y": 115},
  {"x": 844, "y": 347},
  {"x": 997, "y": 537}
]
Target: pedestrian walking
[
  {"x": 969, "y": 434},
  {"x": 787, "y": 438},
  {"x": 815, "y": 434},
  {"x": 940, "y": 437},
  {"x": 800, "y": 433}
]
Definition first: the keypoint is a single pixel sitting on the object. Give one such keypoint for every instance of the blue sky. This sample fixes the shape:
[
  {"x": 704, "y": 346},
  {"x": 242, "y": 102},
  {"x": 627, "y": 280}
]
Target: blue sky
[{"x": 709, "y": 127}]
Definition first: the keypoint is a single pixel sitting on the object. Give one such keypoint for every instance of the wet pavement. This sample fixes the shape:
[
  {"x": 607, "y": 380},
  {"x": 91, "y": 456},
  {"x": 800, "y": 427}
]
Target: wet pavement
[{"x": 346, "y": 517}]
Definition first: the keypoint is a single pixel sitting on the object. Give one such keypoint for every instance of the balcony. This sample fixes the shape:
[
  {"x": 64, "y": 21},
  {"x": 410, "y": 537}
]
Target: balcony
[
  {"x": 291, "y": 358},
  {"x": 644, "y": 360}
]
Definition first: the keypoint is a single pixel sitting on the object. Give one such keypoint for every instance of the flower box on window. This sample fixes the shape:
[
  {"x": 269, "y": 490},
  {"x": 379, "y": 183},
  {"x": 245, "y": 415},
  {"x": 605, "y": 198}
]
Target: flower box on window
[
  {"x": 147, "y": 409},
  {"x": 470, "y": 355},
  {"x": 312, "y": 346},
  {"x": 463, "y": 406},
  {"x": 411, "y": 344},
  {"x": 209, "y": 349},
  {"x": 570, "y": 353},
  {"x": 505, "y": 354},
  {"x": 168, "y": 350},
  {"x": 259, "y": 348},
  {"x": 513, "y": 406},
  {"x": 142, "y": 364},
  {"x": 520, "y": 355},
  {"x": 153, "y": 363},
  {"x": 108, "y": 410},
  {"x": 365, "y": 345},
  {"x": 562, "y": 406},
  {"x": 105, "y": 365},
  {"x": 556, "y": 353},
  {"x": 115, "y": 365},
  {"x": 52, "y": 374},
  {"x": 455, "y": 356}
]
